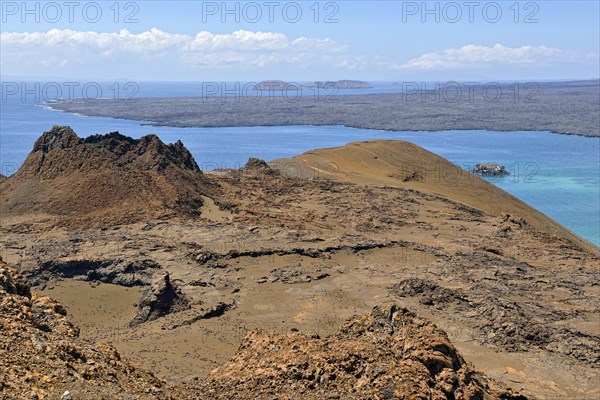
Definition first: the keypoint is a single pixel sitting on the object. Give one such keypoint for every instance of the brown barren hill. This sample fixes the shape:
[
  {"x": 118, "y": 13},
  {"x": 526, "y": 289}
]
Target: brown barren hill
[
  {"x": 402, "y": 164},
  {"x": 104, "y": 180}
]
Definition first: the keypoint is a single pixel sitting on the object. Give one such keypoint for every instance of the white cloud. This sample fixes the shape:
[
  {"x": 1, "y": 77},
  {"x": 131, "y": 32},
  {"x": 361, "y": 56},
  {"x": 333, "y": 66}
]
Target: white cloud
[
  {"x": 473, "y": 56},
  {"x": 239, "y": 40},
  {"x": 256, "y": 49},
  {"x": 152, "y": 40},
  {"x": 63, "y": 47},
  {"x": 65, "y": 50}
]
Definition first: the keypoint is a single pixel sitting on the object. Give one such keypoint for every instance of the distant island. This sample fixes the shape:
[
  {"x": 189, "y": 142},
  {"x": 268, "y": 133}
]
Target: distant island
[
  {"x": 342, "y": 84},
  {"x": 560, "y": 107},
  {"x": 275, "y": 85}
]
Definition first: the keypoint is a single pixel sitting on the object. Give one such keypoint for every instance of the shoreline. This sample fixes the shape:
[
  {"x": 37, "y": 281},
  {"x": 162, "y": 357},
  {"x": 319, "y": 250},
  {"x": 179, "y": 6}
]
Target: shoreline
[
  {"x": 49, "y": 107},
  {"x": 351, "y": 127},
  {"x": 161, "y": 125},
  {"x": 557, "y": 108}
]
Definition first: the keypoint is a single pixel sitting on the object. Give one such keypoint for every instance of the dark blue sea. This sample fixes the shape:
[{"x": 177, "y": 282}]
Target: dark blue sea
[{"x": 557, "y": 174}]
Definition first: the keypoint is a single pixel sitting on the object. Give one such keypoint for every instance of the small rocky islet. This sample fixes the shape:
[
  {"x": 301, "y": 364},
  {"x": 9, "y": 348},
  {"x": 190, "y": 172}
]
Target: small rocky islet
[{"x": 490, "y": 169}]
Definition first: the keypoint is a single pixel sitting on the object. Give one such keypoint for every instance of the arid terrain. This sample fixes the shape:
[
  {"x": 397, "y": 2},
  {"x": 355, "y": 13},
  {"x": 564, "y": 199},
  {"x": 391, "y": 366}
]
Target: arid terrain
[{"x": 376, "y": 270}]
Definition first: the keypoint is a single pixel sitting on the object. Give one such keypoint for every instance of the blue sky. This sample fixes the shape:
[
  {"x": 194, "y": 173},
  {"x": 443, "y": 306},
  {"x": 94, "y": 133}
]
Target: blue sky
[{"x": 371, "y": 40}]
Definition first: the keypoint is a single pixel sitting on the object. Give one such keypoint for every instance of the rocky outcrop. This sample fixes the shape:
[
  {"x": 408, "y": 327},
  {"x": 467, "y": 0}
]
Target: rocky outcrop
[
  {"x": 259, "y": 166},
  {"x": 160, "y": 299},
  {"x": 503, "y": 324},
  {"x": 388, "y": 354},
  {"x": 104, "y": 180},
  {"x": 428, "y": 292},
  {"x": 118, "y": 272},
  {"x": 60, "y": 151},
  {"x": 292, "y": 276},
  {"x": 213, "y": 312},
  {"x": 507, "y": 224},
  {"x": 11, "y": 283},
  {"x": 42, "y": 357}
]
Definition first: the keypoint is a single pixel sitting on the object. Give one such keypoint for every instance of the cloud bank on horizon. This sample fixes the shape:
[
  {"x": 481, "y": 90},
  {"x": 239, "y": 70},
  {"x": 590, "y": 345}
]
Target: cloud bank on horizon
[
  {"x": 479, "y": 56},
  {"x": 65, "y": 48},
  {"x": 370, "y": 40},
  {"x": 244, "y": 48}
]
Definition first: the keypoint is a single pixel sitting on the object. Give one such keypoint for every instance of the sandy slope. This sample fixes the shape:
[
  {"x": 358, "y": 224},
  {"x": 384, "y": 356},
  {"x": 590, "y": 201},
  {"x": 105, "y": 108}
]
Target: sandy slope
[{"x": 402, "y": 164}]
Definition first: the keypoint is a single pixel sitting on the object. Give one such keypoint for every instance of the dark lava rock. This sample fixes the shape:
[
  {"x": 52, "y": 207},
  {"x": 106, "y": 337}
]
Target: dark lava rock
[
  {"x": 118, "y": 272},
  {"x": 260, "y": 166},
  {"x": 10, "y": 282},
  {"x": 429, "y": 292},
  {"x": 160, "y": 299}
]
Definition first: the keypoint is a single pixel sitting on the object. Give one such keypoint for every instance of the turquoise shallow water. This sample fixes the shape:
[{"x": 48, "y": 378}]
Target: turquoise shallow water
[{"x": 557, "y": 174}]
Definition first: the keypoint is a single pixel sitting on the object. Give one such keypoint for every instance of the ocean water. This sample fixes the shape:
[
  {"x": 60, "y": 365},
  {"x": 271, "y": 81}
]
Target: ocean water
[{"x": 556, "y": 174}]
